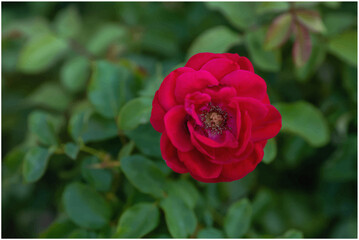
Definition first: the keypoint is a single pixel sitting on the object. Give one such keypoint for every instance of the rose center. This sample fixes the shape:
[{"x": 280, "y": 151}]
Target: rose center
[{"x": 214, "y": 119}]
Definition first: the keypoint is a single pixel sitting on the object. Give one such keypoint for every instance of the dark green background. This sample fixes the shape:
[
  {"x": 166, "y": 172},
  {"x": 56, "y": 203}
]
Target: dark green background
[{"x": 84, "y": 75}]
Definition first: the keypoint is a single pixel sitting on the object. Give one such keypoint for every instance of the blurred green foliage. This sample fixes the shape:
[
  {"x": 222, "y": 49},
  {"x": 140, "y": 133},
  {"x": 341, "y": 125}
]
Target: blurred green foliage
[{"x": 81, "y": 160}]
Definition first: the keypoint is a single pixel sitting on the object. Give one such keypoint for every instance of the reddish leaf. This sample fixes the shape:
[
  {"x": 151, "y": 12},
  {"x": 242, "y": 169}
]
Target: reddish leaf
[
  {"x": 279, "y": 31},
  {"x": 311, "y": 20},
  {"x": 302, "y": 46}
]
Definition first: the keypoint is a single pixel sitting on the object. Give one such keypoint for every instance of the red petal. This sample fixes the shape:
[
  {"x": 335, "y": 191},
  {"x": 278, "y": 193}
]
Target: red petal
[
  {"x": 169, "y": 154},
  {"x": 199, "y": 59},
  {"x": 268, "y": 127},
  {"x": 197, "y": 164},
  {"x": 157, "y": 115},
  {"x": 219, "y": 67},
  {"x": 245, "y": 64},
  {"x": 166, "y": 92},
  {"x": 255, "y": 108},
  {"x": 190, "y": 82},
  {"x": 193, "y": 101},
  {"x": 176, "y": 128},
  {"x": 247, "y": 84}
]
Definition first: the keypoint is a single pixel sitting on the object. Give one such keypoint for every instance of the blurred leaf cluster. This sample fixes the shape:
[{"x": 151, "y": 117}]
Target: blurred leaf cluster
[{"x": 81, "y": 160}]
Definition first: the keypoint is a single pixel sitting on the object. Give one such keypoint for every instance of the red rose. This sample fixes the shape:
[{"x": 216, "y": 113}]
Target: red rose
[{"x": 215, "y": 117}]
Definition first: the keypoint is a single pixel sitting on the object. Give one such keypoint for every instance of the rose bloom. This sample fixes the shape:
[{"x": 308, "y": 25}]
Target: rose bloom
[{"x": 215, "y": 117}]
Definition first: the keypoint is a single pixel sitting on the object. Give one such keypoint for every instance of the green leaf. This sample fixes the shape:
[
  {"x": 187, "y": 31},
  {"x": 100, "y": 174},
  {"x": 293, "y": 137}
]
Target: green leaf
[
  {"x": 85, "y": 206},
  {"x": 60, "y": 228},
  {"x": 71, "y": 150},
  {"x": 126, "y": 150},
  {"x": 107, "y": 89},
  {"x": 135, "y": 112},
  {"x": 41, "y": 124},
  {"x": 238, "y": 218},
  {"x": 311, "y": 20},
  {"x": 91, "y": 127},
  {"x": 75, "y": 73},
  {"x": 144, "y": 175},
  {"x": 41, "y": 52},
  {"x": 137, "y": 221},
  {"x": 181, "y": 220},
  {"x": 105, "y": 36},
  {"x": 337, "y": 22},
  {"x": 341, "y": 165},
  {"x": 305, "y": 120},
  {"x": 184, "y": 190},
  {"x": 316, "y": 58},
  {"x": 239, "y": 14},
  {"x": 50, "y": 95},
  {"x": 267, "y": 7},
  {"x": 218, "y": 39},
  {"x": 292, "y": 233},
  {"x": 267, "y": 60},
  {"x": 100, "y": 179},
  {"x": 344, "y": 46},
  {"x": 35, "y": 163},
  {"x": 270, "y": 151},
  {"x": 210, "y": 233},
  {"x": 147, "y": 140},
  {"x": 68, "y": 22},
  {"x": 349, "y": 76},
  {"x": 279, "y": 31}
]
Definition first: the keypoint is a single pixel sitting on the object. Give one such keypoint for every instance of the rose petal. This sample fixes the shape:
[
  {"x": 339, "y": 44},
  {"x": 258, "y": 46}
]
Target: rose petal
[
  {"x": 199, "y": 59},
  {"x": 222, "y": 96},
  {"x": 157, "y": 115},
  {"x": 176, "y": 128},
  {"x": 256, "y": 109},
  {"x": 166, "y": 95},
  {"x": 197, "y": 164},
  {"x": 190, "y": 82},
  {"x": 247, "y": 84},
  {"x": 245, "y": 64},
  {"x": 169, "y": 154},
  {"x": 193, "y": 101},
  {"x": 268, "y": 127},
  {"x": 219, "y": 67}
]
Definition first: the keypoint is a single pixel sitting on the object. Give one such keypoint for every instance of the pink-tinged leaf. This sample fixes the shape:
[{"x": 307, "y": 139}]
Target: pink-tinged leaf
[
  {"x": 311, "y": 20},
  {"x": 302, "y": 47},
  {"x": 279, "y": 31}
]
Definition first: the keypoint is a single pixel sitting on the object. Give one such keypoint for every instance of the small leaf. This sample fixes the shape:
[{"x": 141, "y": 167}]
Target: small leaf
[
  {"x": 239, "y": 14},
  {"x": 344, "y": 46},
  {"x": 71, "y": 150},
  {"x": 85, "y": 206},
  {"x": 35, "y": 163},
  {"x": 292, "y": 233},
  {"x": 184, "y": 190},
  {"x": 218, "y": 39},
  {"x": 238, "y": 218},
  {"x": 137, "y": 221},
  {"x": 41, "y": 52},
  {"x": 267, "y": 60},
  {"x": 135, "y": 112},
  {"x": 75, "y": 73},
  {"x": 50, "y": 95},
  {"x": 105, "y": 36},
  {"x": 302, "y": 47},
  {"x": 311, "y": 20},
  {"x": 279, "y": 31},
  {"x": 68, "y": 22},
  {"x": 270, "y": 151},
  {"x": 43, "y": 127},
  {"x": 107, "y": 89},
  {"x": 126, "y": 150},
  {"x": 338, "y": 22},
  {"x": 305, "y": 120},
  {"x": 144, "y": 175},
  {"x": 210, "y": 233},
  {"x": 267, "y": 7},
  {"x": 146, "y": 139},
  {"x": 100, "y": 179},
  {"x": 60, "y": 228},
  {"x": 181, "y": 221},
  {"x": 91, "y": 127}
]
